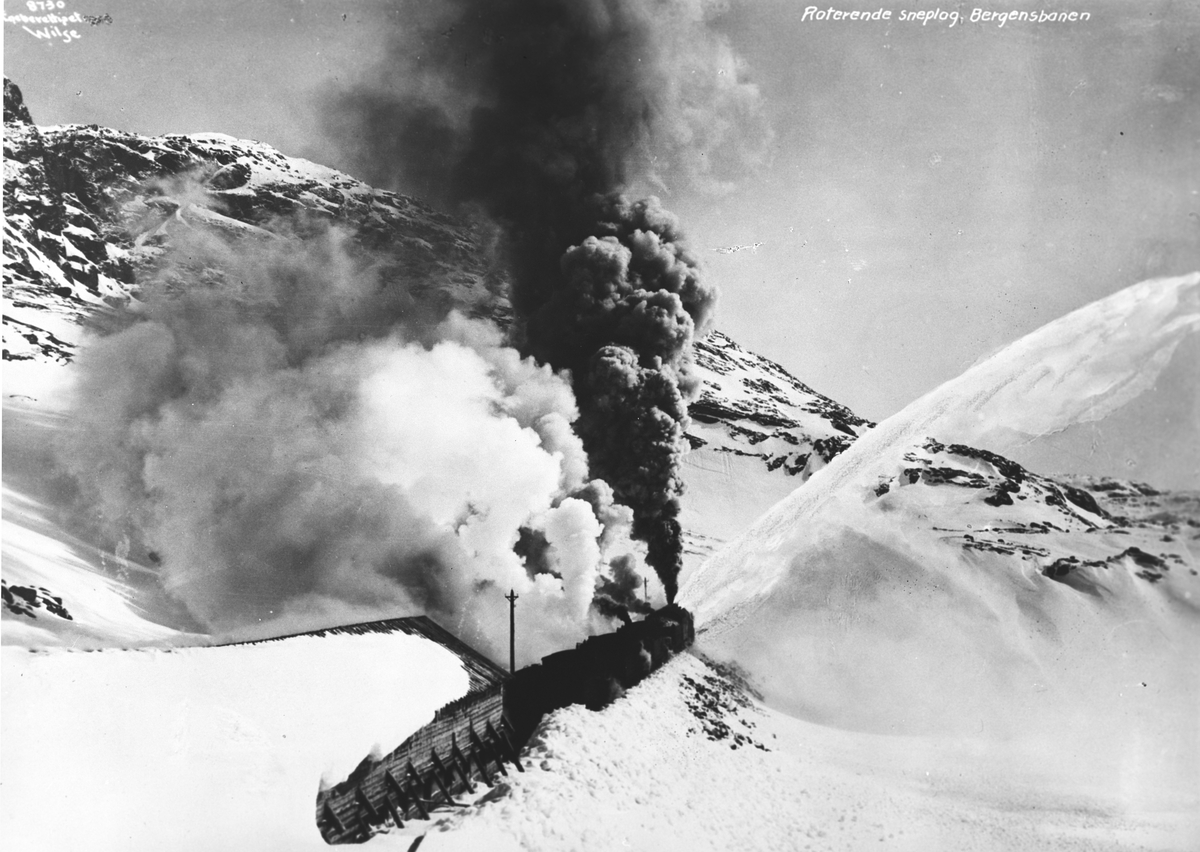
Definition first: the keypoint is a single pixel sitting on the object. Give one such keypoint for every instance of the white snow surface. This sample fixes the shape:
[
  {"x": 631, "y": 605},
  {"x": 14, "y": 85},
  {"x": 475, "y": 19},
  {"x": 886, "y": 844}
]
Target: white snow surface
[
  {"x": 756, "y": 433},
  {"x": 203, "y": 749},
  {"x": 60, "y": 278},
  {"x": 643, "y": 774},
  {"x": 38, "y": 553},
  {"x": 1077, "y": 368},
  {"x": 853, "y": 609}
]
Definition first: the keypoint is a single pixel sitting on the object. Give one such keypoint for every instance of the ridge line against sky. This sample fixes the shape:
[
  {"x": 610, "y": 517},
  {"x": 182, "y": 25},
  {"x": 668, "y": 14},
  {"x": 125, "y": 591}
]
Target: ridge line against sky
[{"x": 931, "y": 192}]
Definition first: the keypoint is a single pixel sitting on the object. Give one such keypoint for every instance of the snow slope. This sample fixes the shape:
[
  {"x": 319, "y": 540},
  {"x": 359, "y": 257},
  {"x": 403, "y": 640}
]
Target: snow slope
[
  {"x": 756, "y": 433},
  {"x": 106, "y": 597},
  {"x": 203, "y": 748},
  {"x": 102, "y": 610},
  {"x": 1074, "y": 369},
  {"x": 90, "y": 209},
  {"x": 916, "y": 586},
  {"x": 687, "y": 761}
]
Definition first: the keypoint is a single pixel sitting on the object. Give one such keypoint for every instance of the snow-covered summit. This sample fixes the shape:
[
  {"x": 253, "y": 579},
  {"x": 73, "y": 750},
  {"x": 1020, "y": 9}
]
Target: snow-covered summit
[
  {"x": 88, "y": 208},
  {"x": 751, "y": 406},
  {"x": 757, "y": 432},
  {"x": 92, "y": 211}
]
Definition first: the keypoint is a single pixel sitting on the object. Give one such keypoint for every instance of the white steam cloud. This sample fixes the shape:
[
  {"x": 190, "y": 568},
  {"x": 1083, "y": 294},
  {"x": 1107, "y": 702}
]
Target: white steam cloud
[{"x": 296, "y": 440}]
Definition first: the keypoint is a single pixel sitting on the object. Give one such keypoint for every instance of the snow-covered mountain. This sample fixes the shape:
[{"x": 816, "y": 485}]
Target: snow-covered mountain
[
  {"x": 93, "y": 214},
  {"x": 893, "y": 577},
  {"x": 915, "y": 586},
  {"x": 90, "y": 211},
  {"x": 756, "y": 433}
]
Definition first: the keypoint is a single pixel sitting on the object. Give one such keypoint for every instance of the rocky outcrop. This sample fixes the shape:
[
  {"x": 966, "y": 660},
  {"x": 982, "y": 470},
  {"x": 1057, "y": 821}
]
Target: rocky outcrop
[
  {"x": 90, "y": 211},
  {"x": 14, "y": 104},
  {"x": 24, "y": 600},
  {"x": 750, "y": 406}
]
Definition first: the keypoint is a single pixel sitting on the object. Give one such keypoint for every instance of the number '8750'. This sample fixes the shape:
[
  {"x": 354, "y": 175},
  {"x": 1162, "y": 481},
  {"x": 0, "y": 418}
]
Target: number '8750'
[{"x": 48, "y": 6}]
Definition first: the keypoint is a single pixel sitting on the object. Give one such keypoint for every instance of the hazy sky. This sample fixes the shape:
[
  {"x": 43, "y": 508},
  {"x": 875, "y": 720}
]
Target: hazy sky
[{"x": 933, "y": 193}]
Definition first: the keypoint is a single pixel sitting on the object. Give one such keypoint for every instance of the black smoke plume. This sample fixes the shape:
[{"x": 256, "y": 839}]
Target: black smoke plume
[
  {"x": 540, "y": 113},
  {"x": 617, "y": 594}
]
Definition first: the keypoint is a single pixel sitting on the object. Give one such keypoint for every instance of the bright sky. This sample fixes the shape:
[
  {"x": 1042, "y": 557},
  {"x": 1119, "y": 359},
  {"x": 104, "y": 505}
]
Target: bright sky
[{"x": 935, "y": 191}]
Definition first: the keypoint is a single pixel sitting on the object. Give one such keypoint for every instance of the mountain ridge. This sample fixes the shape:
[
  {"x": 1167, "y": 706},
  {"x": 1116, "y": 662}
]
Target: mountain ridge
[{"x": 91, "y": 211}]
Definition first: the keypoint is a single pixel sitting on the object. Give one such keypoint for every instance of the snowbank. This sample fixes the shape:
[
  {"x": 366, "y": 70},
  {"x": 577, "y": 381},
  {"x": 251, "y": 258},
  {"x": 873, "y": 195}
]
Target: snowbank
[
  {"x": 37, "y": 553},
  {"x": 851, "y": 609},
  {"x": 685, "y": 761},
  {"x": 1076, "y": 369},
  {"x": 203, "y": 748}
]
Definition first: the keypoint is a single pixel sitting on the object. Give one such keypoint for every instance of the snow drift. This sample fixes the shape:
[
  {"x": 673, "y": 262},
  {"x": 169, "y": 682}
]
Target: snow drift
[
  {"x": 862, "y": 600},
  {"x": 100, "y": 610},
  {"x": 204, "y": 748},
  {"x": 688, "y": 761}
]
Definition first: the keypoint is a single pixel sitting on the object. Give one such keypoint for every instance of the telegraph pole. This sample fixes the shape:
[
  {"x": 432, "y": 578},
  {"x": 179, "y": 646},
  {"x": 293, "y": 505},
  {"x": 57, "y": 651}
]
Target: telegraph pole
[{"x": 511, "y": 597}]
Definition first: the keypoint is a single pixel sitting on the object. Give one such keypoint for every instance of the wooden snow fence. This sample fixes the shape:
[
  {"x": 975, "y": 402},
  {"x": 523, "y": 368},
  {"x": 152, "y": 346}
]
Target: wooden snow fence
[
  {"x": 468, "y": 741},
  {"x": 475, "y": 738}
]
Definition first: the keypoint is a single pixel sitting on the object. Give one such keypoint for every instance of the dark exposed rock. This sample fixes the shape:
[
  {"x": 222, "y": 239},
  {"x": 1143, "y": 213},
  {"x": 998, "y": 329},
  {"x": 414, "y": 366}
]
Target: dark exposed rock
[
  {"x": 14, "y": 104},
  {"x": 230, "y": 177},
  {"x": 721, "y": 703},
  {"x": 769, "y": 413},
  {"x": 1143, "y": 559},
  {"x": 23, "y": 600},
  {"x": 1153, "y": 567},
  {"x": 1083, "y": 500},
  {"x": 1002, "y": 495},
  {"x": 90, "y": 209},
  {"x": 828, "y": 448}
]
